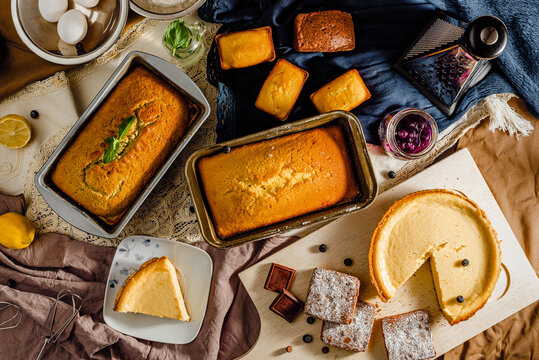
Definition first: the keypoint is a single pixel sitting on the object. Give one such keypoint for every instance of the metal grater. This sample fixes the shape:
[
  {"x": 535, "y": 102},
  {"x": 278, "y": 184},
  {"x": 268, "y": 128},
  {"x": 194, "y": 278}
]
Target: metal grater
[{"x": 440, "y": 65}]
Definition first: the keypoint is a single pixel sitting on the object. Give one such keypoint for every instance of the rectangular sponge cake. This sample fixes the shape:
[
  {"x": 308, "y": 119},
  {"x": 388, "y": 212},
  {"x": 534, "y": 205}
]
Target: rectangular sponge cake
[
  {"x": 274, "y": 180},
  {"x": 281, "y": 89},
  {"x": 245, "y": 48},
  {"x": 162, "y": 118}
]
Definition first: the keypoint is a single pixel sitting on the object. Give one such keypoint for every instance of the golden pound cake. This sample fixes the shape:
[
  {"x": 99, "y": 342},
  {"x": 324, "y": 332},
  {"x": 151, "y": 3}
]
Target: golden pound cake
[
  {"x": 274, "y": 180},
  {"x": 343, "y": 93},
  {"x": 281, "y": 89},
  {"x": 162, "y": 117},
  {"x": 154, "y": 289},
  {"x": 453, "y": 233},
  {"x": 324, "y": 31},
  {"x": 245, "y": 48}
]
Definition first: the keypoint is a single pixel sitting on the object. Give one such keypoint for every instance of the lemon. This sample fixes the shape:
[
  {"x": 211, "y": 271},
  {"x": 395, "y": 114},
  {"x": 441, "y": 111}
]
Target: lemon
[
  {"x": 16, "y": 231},
  {"x": 15, "y": 131}
]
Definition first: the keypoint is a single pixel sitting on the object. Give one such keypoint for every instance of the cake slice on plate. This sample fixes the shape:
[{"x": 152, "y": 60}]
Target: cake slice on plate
[{"x": 154, "y": 289}]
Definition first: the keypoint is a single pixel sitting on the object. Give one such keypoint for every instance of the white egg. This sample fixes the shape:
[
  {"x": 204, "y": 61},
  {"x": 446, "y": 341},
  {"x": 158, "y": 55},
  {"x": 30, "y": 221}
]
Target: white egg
[
  {"x": 52, "y": 10},
  {"x": 87, "y": 3},
  {"x": 72, "y": 26}
]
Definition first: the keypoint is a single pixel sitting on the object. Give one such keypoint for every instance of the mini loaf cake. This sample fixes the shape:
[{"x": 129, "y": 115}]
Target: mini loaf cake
[
  {"x": 324, "y": 31},
  {"x": 408, "y": 336},
  {"x": 450, "y": 231},
  {"x": 245, "y": 48},
  {"x": 343, "y": 93},
  {"x": 332, "y": 296},
  {"x": 274, "y": 180},
  {"x": 281, "y": 89},
  {"x": 354, "y": 336},
  {"x": 162, "y": 116}
]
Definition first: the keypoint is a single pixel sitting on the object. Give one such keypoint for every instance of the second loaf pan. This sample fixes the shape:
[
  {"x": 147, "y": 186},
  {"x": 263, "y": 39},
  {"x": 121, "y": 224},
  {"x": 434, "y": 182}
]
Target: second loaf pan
[{"x": 359, "y": 156}]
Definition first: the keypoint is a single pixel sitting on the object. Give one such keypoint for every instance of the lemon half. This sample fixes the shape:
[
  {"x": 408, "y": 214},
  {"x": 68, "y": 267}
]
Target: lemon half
[{"x": 15, "y": 131}]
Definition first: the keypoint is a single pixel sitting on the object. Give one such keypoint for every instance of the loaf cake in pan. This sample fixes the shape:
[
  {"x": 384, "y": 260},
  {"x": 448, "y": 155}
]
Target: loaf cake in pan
[
  {"x": 270, "y": 181},
  {"x": 162, "y": 117}
]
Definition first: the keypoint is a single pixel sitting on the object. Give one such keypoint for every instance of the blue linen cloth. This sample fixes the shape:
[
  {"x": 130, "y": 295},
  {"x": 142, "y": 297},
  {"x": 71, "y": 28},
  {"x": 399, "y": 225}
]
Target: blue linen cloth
[{"x": 383, "y": 29}]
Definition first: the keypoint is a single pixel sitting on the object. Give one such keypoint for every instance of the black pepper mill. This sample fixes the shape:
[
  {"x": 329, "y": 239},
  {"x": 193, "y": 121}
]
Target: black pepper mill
[{"x": 450, "y": 57}]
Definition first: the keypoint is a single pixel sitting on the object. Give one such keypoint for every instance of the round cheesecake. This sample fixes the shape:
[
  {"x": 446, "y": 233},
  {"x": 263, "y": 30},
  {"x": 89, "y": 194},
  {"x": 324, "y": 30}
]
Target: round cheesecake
[{"x": 450, "y": 231}]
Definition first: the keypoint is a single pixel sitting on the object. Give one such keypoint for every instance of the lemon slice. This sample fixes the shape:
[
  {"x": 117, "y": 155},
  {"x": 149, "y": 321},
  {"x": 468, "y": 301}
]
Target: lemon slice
[{"x": 15, "y": 131}]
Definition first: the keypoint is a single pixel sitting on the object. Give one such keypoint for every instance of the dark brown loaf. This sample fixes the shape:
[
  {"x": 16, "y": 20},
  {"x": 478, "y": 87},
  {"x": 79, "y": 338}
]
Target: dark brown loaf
[{"x": 324, "y": 31}]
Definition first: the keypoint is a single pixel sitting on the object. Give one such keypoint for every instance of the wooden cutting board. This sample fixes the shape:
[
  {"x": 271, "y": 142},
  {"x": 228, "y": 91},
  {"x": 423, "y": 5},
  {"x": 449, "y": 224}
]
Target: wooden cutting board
[{"x": 349, "y": 237}]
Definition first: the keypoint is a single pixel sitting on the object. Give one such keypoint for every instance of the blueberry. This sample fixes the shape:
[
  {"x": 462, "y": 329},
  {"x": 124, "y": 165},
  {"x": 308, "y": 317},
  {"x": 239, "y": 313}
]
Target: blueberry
[
  {"x": 310, "y": 320},
  {"x": 11, "y": 283},
  {"x": 347, "y": 261},
  {"x": 192, "y": 209},
  {"x": 403, "y": 133},
  {"x": 460, "y": 299},
  {"x": 226, "y": 149},
  {"x": 325, "y": 349},
  {"x": 465, "y": 262},
  {"x": 34, "y": 114},
  {"x": 323, "y": 248},
  {"x": 307, "y": 338},
  {"x": 391, "y": 174}
]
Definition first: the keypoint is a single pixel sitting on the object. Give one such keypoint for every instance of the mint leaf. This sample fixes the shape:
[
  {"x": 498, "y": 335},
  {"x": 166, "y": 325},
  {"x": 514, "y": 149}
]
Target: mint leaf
[
  {"x": 109, "y": 140},
  {"x": 113, "y": 146},
  {"x": 124, "y": 127}
]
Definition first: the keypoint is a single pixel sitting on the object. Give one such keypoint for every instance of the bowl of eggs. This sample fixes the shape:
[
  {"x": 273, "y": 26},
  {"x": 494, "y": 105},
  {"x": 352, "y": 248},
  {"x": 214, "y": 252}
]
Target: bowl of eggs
[{"x": 69, "y": 32}]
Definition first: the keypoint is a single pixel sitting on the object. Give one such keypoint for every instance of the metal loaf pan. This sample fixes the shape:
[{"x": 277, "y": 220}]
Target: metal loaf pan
[
  {"x": 360, "y": 157},
  {"x": 66, "y": 207}
]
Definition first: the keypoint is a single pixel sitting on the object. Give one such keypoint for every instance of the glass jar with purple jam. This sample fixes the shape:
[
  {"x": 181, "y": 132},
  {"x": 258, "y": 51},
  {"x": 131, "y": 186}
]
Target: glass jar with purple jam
[{"x": 408, "y": 133}]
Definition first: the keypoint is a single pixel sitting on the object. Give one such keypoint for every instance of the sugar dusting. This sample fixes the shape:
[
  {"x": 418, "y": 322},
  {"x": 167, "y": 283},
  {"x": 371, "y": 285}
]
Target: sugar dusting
[
  {"x": 332, "y": 296},
  {"x": 408, "y": 336},
  {"x": 354, "y": 336}
]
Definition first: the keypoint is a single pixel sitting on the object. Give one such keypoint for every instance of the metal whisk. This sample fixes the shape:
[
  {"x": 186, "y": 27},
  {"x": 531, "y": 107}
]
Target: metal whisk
[
  {"x": 5, "y": 325},
  {"x": 53, "y": 334}
]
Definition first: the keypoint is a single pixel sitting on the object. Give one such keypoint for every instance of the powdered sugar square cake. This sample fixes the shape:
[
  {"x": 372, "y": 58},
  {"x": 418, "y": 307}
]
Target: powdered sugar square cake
[
  {"x": 354, "y": 336},
  {"x": 408, "y": 336},
  {"x": 332, "y": 296}
]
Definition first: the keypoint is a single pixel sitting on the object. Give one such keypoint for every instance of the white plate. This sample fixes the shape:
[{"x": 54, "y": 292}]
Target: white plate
[{"x": 195, "y": 267}]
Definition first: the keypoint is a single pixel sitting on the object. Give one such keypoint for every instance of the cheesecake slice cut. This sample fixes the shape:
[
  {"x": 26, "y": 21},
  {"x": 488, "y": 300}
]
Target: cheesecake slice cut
[
  {"x": 451, "y": 232},
  {"x": 154, "y": 289}
]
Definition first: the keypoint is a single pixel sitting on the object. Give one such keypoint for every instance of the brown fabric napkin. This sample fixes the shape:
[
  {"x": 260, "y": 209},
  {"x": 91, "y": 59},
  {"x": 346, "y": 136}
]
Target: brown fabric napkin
[
  {"x": 54, "y": 262},
  {"x": 511, "y": 170},
  {"x": 20, "y": 66}
]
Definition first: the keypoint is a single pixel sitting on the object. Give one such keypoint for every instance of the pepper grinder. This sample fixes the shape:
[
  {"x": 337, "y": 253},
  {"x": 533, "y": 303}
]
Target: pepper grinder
[{"x": 450, "y": 57}]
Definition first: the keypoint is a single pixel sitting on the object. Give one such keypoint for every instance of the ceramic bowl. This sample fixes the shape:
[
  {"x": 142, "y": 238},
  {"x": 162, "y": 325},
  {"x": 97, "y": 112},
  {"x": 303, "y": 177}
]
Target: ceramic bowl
[
  {"x": 165, "y": 9},
  {"x": 106, "y": 21}
]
